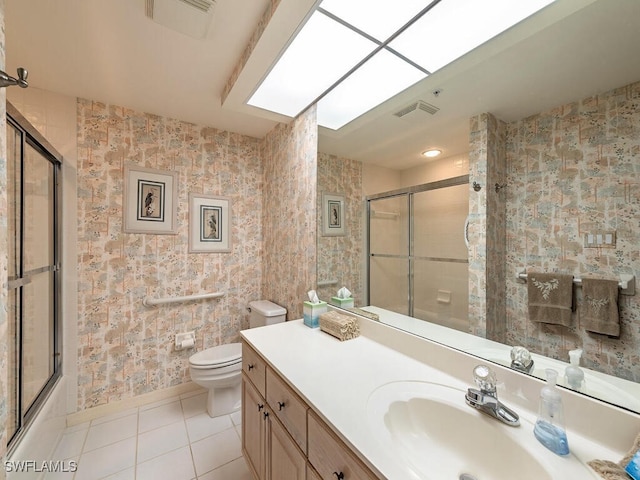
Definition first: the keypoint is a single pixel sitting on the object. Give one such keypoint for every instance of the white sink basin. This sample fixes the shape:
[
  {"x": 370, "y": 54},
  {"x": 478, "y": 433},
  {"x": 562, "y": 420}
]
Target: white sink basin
[{"x": 432, "y": 432}]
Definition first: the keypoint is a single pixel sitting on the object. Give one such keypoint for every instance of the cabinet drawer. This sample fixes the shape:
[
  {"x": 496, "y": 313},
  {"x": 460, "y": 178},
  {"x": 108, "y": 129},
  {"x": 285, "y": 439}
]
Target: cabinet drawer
[
  {"x": 288, "y": 407},
  {"x": 254, "y": 367},
  {"x": 331, "y": 457}
]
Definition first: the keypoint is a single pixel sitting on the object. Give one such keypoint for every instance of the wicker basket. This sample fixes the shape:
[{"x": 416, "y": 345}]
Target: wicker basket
[{"x": 343, "y": 327}]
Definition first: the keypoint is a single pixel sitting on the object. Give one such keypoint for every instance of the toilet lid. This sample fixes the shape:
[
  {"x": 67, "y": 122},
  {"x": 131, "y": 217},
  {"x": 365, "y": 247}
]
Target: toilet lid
[{"x": 221, "y": 355}]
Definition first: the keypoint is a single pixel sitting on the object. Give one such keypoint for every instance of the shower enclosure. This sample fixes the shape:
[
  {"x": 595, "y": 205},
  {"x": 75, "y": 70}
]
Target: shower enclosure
[
  {"x": 417, "y": 254},
  {"x": 33, "y": 220}
]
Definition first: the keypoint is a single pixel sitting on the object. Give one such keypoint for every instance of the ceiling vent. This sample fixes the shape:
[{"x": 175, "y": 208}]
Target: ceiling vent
[
  {"x": 415, "y": 108},
  {"x": 191, "y": 17}
]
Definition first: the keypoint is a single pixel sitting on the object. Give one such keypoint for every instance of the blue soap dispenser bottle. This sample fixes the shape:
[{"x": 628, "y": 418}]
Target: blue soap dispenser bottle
[{"x": 549, "y": 428}]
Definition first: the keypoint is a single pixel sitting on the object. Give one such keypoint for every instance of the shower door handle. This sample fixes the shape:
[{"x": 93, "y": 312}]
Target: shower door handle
[{"x": 465, "y": 233}]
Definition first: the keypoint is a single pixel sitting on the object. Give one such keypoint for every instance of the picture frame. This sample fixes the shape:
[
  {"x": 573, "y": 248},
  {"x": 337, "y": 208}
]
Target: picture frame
[
  {"x": 333, "y": 215},
  {"x": 150, "y": 202},
  {"x": 210, "y": 224}
]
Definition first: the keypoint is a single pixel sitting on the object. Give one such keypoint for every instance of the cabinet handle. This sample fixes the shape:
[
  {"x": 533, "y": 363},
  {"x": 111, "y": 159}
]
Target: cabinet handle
[
  {"x": 260, "y": 406},
  {"x": 250, "y": 366},
  {"x": 266, "y": 414},
  {"x": 339, "y": 476},
  {"x": 280, "y": 405}
]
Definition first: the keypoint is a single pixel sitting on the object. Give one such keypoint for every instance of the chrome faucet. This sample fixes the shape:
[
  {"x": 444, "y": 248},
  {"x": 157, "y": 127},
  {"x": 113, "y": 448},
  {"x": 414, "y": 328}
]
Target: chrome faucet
[
  {"x": 486, "y": 398},
  {"x": 521, "y": 359}
]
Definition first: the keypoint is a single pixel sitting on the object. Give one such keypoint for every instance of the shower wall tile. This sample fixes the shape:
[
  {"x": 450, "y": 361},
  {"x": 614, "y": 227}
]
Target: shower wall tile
[
  {"x": 290, "y": 155},
  {"x": 340, "y": 258},
  {"x": 572, "y": 170},
  {"x": 124, "y": 348}
]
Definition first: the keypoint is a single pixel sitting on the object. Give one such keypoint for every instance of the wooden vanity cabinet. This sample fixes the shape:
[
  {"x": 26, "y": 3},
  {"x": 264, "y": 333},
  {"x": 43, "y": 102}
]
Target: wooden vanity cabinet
[
  {"x": 254, "y": 429},
  {"x": 267, "y": 445},
  {"x": 282, "y": 438},
  {"x": 286, "y": 461},
  {"x": 330, "y": 456}
]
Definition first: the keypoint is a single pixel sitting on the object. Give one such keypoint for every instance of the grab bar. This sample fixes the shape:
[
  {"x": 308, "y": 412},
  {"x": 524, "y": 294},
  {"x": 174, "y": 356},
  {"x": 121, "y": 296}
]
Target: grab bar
[
  {"x": 150, "y": 302},
  {"x": 627, "y": 283},
  {"x": 327, "y": 283}
]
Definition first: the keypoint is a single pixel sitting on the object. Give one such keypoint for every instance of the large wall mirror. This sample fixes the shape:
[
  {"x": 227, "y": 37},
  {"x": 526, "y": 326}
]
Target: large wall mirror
[{"x": 545, "y": 120}]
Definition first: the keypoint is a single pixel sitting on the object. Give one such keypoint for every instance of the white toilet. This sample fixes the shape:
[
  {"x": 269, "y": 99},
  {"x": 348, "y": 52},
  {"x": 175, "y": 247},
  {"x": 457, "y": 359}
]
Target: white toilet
[{"x": 219, "y": 369}]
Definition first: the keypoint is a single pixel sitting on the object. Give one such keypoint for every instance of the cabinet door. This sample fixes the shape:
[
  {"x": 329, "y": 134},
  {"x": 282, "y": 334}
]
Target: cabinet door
[
  {"x": 311, "y": 473},
  {"x": 286, "y": 461},
  {"x": 288, "y": 407},
  {"x": 332, "y": 458},
  {"x": 253, "y": 429}
]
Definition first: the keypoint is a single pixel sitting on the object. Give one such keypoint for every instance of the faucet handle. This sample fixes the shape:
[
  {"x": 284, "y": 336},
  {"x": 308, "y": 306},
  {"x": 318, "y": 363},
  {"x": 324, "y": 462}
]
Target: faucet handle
[
  {"x": 521, "y": 355},
  {"x": 485, "y": 378}
]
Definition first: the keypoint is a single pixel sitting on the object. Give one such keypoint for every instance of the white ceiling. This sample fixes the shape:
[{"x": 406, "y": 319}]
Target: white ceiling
[{"x": 108, "y": 50}]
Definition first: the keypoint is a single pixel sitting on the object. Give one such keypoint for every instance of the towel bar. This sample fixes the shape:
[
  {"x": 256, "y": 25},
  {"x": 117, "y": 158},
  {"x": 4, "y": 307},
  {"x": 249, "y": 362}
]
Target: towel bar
[
  {"x": 150, "y": 302},
  {"x": 627, "y": 283}
]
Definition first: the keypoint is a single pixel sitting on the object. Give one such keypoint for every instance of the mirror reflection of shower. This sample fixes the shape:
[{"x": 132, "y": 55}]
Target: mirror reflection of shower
[
  {"x": 8, "y": 81},
  {"x": 417, "y": 257}
]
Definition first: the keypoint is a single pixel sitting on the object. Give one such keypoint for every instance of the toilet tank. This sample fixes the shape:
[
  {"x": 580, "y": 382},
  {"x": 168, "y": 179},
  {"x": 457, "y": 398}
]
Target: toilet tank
[{"x": 264, "y": 312}]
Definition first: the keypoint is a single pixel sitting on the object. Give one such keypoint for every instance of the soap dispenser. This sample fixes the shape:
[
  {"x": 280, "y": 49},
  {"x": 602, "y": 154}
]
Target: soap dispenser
[
  {"x": 549, "y": 429},
  {"x": 573, "y": 373}
]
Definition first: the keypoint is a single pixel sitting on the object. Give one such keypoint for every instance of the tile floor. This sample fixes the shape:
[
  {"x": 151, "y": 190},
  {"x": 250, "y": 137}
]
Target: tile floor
[{"x": 174, "y": 439}]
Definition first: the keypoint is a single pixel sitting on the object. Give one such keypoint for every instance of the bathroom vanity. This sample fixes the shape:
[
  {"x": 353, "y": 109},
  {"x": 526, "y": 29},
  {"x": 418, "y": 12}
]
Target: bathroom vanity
[
  {"x": 282, "y": 438},
  {"x": 389, "y": 404}
]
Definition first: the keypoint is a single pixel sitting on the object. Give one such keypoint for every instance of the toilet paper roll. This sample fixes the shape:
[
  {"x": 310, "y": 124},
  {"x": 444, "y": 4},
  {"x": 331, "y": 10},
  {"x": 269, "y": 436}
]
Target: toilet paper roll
[{"x": 189, "y": 343}]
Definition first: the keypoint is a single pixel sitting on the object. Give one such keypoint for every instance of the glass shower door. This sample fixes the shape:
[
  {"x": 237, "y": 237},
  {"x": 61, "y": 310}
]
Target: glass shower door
[
  {"x": 34, "y": 360},
  {"x": 440, "y": 257},
  {"x": 389, "y": 253},
  {"x": 418, "y": 259}
]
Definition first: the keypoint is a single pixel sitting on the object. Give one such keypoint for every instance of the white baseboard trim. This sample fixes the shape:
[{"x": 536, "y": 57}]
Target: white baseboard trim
[{"x": 127, "y": 403}]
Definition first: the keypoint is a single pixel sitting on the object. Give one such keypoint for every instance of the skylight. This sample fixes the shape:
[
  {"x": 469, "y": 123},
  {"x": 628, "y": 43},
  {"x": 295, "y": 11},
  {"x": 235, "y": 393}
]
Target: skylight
[{"x": 352, "y": 55}]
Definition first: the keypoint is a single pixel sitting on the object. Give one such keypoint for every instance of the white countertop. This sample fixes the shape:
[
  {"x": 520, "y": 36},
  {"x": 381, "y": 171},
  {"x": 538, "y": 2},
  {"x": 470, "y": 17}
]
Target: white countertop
[{"x": 336, "y": 379}]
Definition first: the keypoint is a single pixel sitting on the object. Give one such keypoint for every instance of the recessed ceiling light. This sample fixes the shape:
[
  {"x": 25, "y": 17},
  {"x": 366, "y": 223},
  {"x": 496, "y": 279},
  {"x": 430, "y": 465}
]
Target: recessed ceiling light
[{"x": 432, "y": 153}]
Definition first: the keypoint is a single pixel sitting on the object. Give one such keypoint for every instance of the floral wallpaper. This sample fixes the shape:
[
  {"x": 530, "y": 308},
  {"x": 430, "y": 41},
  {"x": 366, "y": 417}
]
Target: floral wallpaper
[
  {"x": 340, "y": 258},
  {"x": 242, "y": 61},
  {"x": 124, "y": 348},
  {"x": 571, "y": 171},
  {"x": 486, "y": 227},
  {"x": 290, "y": 171}
]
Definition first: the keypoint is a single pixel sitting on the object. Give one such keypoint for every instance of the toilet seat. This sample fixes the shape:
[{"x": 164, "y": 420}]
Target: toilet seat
[{"x": 217, "y": 357}]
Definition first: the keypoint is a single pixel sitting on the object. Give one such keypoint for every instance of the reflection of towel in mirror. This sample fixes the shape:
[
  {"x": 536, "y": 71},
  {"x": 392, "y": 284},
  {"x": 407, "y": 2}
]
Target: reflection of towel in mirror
[
  {"x": 599, "y": 311},
  {"x": 550, "y": 297}
]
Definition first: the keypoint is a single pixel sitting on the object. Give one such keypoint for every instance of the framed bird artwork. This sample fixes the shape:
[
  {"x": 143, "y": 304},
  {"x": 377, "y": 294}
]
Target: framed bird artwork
[{"x": 150, "y": 201}]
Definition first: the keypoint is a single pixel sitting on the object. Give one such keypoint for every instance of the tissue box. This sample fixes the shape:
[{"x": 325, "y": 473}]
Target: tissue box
[
  {"x": 342, "y": 302},
  {"x": 312, "y": 312}
]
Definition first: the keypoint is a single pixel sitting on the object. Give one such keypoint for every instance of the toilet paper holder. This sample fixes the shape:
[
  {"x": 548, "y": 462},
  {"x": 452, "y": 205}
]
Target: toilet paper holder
[{"x": 185, "y": 340}]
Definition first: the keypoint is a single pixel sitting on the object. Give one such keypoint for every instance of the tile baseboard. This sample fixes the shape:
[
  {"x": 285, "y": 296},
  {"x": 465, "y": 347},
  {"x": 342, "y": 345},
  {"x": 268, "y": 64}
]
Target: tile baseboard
[{"x": 132, "y": 402}]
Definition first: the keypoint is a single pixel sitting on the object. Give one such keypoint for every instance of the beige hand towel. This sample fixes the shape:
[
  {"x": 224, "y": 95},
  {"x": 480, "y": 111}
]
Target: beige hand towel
[
  {"x": 550, "y": 297},
  {"x": 599, "y": 312}
]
